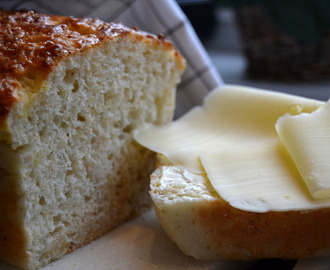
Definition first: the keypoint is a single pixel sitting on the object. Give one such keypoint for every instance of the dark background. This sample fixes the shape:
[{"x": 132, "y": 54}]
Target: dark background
[{"x": 267, "y": 44}]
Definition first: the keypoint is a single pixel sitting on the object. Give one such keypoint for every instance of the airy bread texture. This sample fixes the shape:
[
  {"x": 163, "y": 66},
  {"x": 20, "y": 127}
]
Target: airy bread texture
[
  {"x": 206, "y": 227},
  {"x": 69, "y": 167}
]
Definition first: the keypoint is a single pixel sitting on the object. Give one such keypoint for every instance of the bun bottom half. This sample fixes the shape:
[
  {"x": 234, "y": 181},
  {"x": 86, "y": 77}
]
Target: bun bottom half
[{"x": 206, "y": 227}]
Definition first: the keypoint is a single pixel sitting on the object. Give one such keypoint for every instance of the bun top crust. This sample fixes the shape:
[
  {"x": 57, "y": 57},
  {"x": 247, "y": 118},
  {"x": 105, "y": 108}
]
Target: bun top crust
[{"x": 32, "y": 44}]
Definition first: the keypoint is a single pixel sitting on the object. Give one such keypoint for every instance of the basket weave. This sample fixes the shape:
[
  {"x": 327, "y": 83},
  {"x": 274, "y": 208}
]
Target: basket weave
[{"x": 274, "y": 55}]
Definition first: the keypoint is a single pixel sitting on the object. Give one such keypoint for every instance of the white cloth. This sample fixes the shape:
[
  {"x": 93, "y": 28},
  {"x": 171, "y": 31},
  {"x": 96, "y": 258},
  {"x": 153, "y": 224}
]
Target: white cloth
[{"x": 155, "y": 16}]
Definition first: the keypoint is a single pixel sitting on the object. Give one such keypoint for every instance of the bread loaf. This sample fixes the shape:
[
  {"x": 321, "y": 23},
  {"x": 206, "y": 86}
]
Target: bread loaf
[
  {"x": 206, "y": 227},
  {"x": 72, "y": 90}
]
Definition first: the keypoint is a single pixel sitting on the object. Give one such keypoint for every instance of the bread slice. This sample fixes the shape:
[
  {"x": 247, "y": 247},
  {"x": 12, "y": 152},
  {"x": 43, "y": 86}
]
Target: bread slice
[
  {"x": 206, "y": 227},
  {"x": 72, "y": 90}
]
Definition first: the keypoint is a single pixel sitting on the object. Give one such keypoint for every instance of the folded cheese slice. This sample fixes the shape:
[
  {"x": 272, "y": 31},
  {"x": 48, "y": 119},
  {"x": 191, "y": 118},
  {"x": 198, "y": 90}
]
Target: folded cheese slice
[
  {"x": 307, "y": 139},
  {"x": 233, "y": 138}
]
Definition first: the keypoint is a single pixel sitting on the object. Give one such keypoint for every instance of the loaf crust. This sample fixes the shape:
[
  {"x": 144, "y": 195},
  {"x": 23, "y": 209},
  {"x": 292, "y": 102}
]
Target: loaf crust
[{"x": 206, "y": 227}]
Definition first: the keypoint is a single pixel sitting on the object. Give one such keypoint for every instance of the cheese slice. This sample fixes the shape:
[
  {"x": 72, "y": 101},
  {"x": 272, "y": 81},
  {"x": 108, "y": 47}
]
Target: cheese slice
[
  {"x": 259, "y": 179},
  {"x": 235, "y": 132},
  {"x": 307, "y": 139}
]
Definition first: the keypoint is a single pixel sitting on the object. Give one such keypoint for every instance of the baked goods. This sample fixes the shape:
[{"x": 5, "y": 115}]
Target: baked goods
[
  {"x": 206, "y": 227},
  {"x": 72, "y": 90},
  {"x": 227, "y": 188}
]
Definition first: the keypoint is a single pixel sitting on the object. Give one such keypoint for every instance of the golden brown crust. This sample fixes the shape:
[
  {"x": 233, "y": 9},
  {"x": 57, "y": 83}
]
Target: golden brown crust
[
  {"x": 12, "y": 237},
  {"x": 238, "y": 234},
  {"x": 32, "y": 44},
  {"x": 8, "y": 95},
  {"x": 12, "y": 244},
  {"x": 35, "y": 42}
]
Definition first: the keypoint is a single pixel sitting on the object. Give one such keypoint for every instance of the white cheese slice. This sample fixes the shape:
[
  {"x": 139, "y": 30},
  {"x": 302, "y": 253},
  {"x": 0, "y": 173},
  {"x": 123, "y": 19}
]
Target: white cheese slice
[
  {"x": 236, "y": 120},
  {"x": 307, "y": 139},
  {"x": 259, "y": 179}
]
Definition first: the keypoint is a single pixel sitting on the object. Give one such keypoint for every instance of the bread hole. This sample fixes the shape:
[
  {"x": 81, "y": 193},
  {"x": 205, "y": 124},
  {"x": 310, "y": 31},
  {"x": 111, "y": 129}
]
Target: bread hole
[
  {"x": 117, "y": 124},
  {"x": 68, "y": 194},
  {"x": 122, "y": 137},
  {"x": 75, "y": 87},
  {"x": 128, "y": 128},
  {"x": 74, "y": 215},
  {"x": 110, "y": 157},
  {"x": 30, "y": 119},
  {"x": 56, "y": 231},
  {"x": 87, "y": 198},
  {"x": 66, "y": 223},
  {"x": 127, "y": 69},
  {"x": 107, "y": 96},
  {"x": 41, "y": 133},
  {"x": 60, "y": 91},
  {"x": 128, "y": 94},
  {"x": 147, "y": 54},
  {"x": 57, "y": 219},
  {"x": 81, "y": 118},
  {"x": 70, "y": 74},
  {"x": 158, "y": 184},
  {"x": 50, "y": 155},
  {"x": 57, "y": 120},
  {"x": 64, "y": 125},
  {"x": 69, "y": 173},
  {"x": 127, "y": 60},
  {"x": 93, "y": 140},
  {"x": 42, "y": 200},
  {"x": 112, "y": 96}
]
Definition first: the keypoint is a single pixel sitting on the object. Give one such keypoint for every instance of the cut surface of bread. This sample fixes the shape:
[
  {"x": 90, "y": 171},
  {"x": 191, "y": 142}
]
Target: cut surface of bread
[
  {"x": 71, "y": 93},
  {"x": 206, "y": 227}
]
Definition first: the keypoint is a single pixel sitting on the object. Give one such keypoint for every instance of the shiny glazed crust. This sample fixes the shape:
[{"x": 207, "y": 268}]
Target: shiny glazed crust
[{"x": 208, "y": 228}]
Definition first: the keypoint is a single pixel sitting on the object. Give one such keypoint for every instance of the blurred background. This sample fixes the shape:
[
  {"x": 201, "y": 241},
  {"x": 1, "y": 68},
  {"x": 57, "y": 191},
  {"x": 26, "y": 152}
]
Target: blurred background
[{"x": 281, "y": 45}]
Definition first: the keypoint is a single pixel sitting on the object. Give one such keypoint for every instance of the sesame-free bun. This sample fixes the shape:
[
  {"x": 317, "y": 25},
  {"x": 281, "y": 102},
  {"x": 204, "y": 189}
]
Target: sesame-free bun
[{"x": 206, "y": 227}]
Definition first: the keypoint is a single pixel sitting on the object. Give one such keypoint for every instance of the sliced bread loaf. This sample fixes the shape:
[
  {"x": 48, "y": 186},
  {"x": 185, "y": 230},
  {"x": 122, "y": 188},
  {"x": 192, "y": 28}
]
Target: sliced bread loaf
[{"x": 72, "y": 90}]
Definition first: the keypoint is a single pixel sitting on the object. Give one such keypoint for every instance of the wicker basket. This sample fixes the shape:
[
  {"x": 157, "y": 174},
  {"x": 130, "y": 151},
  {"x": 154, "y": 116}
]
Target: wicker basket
[{"x": 274, "y": 55}]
